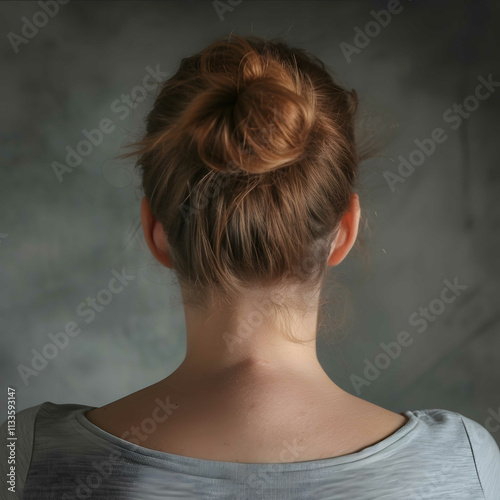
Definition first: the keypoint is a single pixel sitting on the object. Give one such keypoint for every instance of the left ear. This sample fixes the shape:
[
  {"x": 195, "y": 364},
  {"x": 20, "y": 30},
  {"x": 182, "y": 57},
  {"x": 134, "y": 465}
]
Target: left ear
[
  {"x": 347, "y": 233},
  {"x": 154, "y": 235}
]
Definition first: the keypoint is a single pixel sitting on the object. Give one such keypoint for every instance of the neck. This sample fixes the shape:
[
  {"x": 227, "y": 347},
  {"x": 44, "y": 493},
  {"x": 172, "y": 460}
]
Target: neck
[{"x": 250, "y": 338}]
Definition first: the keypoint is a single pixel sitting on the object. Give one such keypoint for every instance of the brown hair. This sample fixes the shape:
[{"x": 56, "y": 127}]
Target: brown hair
[{"x": 248, "y": 162}]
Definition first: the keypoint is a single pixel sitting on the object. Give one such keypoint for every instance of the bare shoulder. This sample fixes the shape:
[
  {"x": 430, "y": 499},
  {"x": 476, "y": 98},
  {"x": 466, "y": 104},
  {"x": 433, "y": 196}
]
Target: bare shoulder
[
  {"x": 374, "y": 420},
  {"x": 131, "y": 411}
]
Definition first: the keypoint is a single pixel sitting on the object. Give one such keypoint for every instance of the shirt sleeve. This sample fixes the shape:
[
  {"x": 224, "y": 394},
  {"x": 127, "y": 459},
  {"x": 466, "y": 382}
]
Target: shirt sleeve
[
  {"x": 20, "y": 456},
  {"x": 486, "y": 457}
]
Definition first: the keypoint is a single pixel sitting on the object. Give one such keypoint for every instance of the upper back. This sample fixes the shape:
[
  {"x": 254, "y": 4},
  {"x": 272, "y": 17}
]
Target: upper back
[
  {"x": 436, "y": 454},
  {"x": 239, "y": 423}
]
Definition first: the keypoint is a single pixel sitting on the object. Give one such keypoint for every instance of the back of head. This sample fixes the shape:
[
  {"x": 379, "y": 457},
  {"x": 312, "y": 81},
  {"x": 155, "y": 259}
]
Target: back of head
[{"x": 249, "y": 162}]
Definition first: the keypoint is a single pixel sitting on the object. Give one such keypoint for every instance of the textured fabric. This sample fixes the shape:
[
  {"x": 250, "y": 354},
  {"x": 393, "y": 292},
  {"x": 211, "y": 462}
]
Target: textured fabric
[{"x": 437, "y": 454}]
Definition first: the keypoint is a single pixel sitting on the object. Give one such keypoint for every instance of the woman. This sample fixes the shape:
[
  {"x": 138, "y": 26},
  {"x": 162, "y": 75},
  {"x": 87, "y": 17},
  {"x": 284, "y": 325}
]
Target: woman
[{"x": 249, "y": 167}]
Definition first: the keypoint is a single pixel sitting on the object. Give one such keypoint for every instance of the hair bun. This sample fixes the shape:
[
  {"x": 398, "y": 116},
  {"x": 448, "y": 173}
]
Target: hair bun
[{"x": 254, "y": 113}]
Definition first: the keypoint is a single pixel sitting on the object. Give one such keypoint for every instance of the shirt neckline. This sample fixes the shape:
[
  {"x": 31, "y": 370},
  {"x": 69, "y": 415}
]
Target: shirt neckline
[{"x": 209, "y": 466}]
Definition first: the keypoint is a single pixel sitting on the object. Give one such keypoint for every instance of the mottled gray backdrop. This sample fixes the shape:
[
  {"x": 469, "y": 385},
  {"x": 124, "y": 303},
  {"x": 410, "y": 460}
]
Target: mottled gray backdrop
[{"x": 69, "y": 222}]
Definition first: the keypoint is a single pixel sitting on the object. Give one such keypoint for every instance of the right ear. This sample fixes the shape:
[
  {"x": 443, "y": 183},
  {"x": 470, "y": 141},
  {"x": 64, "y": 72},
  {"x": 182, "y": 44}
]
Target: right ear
[
  {"x": 154, "y": 235},
  {"x": 347, "y": 233}
]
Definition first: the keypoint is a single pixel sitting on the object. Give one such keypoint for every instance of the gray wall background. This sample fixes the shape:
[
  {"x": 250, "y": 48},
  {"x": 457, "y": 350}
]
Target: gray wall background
[{"x": 60, "y": 240}]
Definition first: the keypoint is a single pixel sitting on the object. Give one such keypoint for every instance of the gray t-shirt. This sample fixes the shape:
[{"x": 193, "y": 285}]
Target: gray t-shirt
[{"x": 437, "y": 454}]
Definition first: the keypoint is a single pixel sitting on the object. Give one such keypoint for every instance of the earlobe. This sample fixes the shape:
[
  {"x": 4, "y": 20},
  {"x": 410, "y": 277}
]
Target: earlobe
[{"x": 154, "y": 235}]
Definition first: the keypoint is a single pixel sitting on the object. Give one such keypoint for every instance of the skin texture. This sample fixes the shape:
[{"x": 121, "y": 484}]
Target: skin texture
[{"x": 263, "y": 399}]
